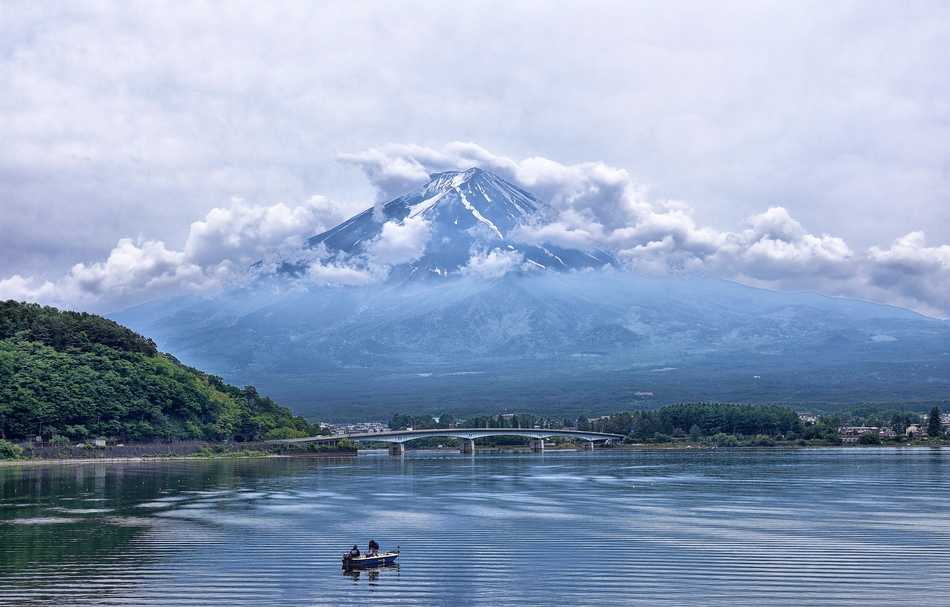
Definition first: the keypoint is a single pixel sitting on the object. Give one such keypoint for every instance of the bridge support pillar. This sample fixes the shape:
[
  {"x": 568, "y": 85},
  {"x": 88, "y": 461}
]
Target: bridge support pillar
[
  {"x": 397, "y": 449},
  {"x": 468, "y": 445},
  {"x": 588, "y": 445},
  {"x": 537, "y": 444}
]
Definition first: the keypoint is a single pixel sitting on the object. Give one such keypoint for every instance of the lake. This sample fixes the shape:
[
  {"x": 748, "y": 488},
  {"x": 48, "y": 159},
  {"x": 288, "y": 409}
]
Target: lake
[{"x": 858, "y": 526}]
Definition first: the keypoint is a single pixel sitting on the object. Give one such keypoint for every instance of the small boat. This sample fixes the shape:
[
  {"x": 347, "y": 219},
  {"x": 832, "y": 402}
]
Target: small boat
[{"x": 364, "y": 561}]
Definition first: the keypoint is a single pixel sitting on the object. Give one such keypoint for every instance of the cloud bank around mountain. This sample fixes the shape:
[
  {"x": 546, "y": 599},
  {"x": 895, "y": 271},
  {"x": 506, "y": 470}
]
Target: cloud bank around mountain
[
  {"x": 592, "y": 205},
  {"x": 596, "y": 205}
]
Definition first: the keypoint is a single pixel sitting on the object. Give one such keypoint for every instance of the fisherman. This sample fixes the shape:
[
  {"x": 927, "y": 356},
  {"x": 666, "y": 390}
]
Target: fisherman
[
  {"x": 373, "y": 548},
  {"x": 354, "y": 552}
]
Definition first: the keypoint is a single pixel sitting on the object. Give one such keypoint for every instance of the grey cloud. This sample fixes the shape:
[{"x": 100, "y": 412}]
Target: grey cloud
[
  {"x": 130, "y": 120},
  {"x": 917, "y": 272},
  {"x": 134, "y": 118}
]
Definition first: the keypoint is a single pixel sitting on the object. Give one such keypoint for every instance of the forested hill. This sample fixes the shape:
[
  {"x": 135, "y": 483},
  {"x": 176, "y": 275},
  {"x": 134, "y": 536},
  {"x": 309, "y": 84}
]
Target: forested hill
[{"x": 79, "y": 375}]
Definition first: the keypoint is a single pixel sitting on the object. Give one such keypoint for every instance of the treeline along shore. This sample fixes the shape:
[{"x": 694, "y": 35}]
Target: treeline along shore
[{"x": 720, "y": 425}]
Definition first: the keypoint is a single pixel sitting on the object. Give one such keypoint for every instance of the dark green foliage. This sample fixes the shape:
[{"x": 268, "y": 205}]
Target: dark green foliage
[
  {"x": 284, "y": 433},
  {"x": 702, "y": 419},
  {"x": 9, "y": 450},
  {"x": 721, "y": 439},
  {"x": 80, "y": 375},
  {"x": 869, "y": 438},
  {"x": 514, "y": 420},
  {"x": 62, "y": 330},
  {"x": 933, "y": 422}
]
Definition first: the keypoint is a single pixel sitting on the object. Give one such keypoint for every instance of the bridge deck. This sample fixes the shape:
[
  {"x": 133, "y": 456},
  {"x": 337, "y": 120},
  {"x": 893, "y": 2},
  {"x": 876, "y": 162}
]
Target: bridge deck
[{"x": 402, "y": 436}]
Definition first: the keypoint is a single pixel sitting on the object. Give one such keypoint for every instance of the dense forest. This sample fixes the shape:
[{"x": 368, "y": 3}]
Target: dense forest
[
  {"x": 72, "y": 376},
  {"x": 700, "y": 419}
]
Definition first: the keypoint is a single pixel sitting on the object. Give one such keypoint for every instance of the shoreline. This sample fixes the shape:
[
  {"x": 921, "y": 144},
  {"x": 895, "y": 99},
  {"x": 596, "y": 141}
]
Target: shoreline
[
  {"x": 349, "y": 454},
  {"x": 166, "y": 458}
]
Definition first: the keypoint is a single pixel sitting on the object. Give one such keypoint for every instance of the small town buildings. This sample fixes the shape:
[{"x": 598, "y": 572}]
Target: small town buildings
[
  {"x": 358, "y": 428},
  {"x": 852, "y": 434}
]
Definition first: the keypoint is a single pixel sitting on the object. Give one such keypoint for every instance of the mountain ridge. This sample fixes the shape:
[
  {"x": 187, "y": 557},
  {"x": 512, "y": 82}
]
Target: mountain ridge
[{"x": 79, "y": 375}]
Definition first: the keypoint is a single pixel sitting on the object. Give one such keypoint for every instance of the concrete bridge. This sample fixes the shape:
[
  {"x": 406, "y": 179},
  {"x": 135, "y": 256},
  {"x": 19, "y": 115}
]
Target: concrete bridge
[{"x": 398, "y": 438}]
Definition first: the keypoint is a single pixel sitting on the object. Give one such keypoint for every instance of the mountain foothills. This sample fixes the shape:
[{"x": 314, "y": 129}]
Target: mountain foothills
[
  {"x": 80, "y": 375},
  {"x": 475, "y": 319}
]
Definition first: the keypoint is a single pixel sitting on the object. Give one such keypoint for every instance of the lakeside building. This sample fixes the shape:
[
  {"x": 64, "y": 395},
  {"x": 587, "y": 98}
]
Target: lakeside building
[
  {"x": 852, "y": 434},
  {"x": 357, "y": 428}
]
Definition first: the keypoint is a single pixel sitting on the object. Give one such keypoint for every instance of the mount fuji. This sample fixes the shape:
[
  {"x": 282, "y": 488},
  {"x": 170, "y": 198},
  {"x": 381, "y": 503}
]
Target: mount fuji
[
  {"x": 466, "y": 212},
  {"x": 568, "y": 331}
]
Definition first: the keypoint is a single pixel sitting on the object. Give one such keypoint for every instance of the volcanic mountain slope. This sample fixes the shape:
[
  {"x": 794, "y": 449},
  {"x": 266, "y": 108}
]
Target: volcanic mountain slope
[
  {"x": 467, "y": 212},
  {"x": 555, "y": 341}
]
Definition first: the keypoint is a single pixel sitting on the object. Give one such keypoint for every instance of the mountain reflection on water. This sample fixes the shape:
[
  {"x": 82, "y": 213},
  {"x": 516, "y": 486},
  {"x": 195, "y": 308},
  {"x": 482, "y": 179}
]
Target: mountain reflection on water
[{"x": 743, "y": 527}]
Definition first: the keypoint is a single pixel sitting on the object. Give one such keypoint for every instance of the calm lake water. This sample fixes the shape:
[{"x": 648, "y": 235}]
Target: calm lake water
[{"x": 758, "y": 527}]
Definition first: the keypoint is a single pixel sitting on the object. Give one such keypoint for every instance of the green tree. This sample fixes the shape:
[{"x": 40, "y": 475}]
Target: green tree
[
  {"x": 284, "y": 433},
  {"x": 400, "y": 421},
  {"x": 721, "y": 439},
  {"x": 933, "y": 422},
  {"x": 10, "y": 450}
]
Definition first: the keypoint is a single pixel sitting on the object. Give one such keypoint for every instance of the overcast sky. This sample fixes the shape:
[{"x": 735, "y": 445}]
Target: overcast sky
[{"x": 123, "y": 124}]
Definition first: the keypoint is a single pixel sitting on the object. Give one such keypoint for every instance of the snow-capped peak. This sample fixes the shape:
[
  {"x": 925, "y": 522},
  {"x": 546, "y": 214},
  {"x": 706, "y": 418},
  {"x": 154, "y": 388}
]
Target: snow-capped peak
[
  {"x": 466, "y": 211},
  {"x": 447, "y": 180}
]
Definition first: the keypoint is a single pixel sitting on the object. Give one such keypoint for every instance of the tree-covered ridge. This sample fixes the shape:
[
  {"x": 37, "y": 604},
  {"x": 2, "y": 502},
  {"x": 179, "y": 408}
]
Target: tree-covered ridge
[
  {"x": 61, "y": 329},
  {"x": 79, "y": 375}
]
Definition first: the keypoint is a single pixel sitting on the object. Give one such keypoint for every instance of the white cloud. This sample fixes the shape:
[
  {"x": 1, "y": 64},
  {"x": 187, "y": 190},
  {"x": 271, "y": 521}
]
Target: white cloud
[
  {"x": 340, "y": 274},
  {"x": 23, "y": 288},
  {"x": 400, "y": 241},
  {"x": 776, "y": 247},
  {"x": 492, "y": 264},
  {"x": 136, "y": 266},
  {"x": 245, "y": 232},
  {"x": 217, "y": 253}
]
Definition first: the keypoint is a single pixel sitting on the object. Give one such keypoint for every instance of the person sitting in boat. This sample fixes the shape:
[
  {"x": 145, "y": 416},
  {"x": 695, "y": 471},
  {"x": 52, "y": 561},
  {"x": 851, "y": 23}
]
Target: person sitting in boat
[
  {"x": 373, "y": 548},
  {"x": 354, "y": 552}
]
